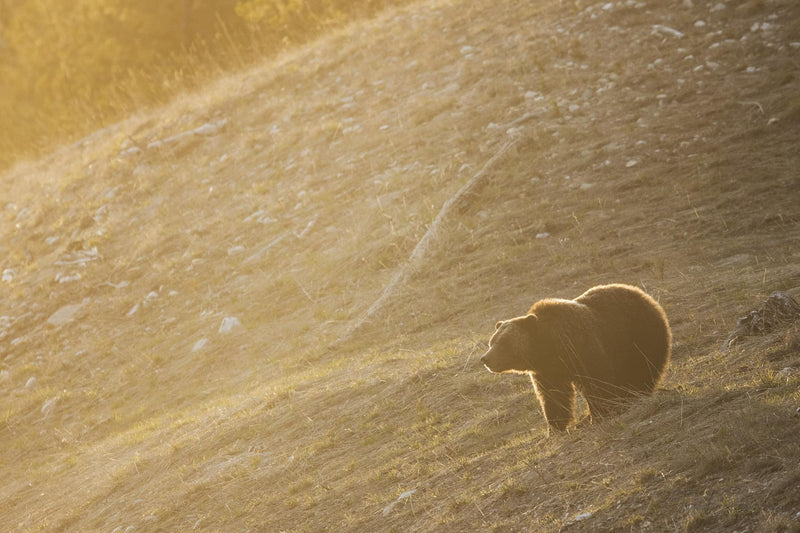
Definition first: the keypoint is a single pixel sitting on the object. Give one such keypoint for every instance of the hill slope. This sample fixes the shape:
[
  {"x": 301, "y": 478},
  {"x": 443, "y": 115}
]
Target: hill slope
[{"x": 189, "y": 340}]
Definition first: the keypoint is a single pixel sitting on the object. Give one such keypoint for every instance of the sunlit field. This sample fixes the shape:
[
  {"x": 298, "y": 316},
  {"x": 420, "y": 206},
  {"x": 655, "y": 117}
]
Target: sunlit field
[{"x": 256, "y": 299}]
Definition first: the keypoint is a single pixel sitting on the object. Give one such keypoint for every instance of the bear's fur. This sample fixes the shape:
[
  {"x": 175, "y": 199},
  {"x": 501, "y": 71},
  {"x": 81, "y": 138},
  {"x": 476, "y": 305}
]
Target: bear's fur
[{"x": 611, "y": 343}]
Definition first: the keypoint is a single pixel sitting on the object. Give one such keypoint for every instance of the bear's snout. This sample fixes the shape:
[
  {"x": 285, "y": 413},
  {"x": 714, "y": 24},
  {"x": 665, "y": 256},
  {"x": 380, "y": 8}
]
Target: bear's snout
[{"x": 485, "y": 360}]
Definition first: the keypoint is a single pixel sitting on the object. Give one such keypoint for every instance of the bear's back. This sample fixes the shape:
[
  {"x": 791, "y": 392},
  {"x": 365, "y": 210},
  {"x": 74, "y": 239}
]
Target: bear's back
[{"x": 634, "y": 332}]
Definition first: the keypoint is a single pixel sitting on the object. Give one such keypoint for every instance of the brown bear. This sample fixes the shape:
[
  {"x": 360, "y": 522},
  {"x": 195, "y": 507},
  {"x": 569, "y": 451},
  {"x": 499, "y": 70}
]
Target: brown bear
[{"x": 611, "y": 343}]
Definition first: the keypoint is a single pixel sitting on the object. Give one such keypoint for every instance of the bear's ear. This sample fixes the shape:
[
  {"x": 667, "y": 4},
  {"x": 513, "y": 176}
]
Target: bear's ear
[
  {"x": 530, "y": 320},
  {"x": 497, "y": 325}
]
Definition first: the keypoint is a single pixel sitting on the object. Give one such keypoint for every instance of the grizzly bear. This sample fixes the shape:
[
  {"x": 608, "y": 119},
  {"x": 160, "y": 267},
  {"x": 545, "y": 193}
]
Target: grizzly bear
[{"x": 611, "y": 343}]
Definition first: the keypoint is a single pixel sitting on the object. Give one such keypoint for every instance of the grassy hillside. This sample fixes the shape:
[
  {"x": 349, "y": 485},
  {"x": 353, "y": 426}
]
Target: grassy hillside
[{"x": 188, "y": 335}]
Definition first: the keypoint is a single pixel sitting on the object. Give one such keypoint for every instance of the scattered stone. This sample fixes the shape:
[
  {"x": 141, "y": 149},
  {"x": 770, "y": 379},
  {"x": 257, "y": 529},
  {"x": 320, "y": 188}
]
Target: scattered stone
[
  {"x": 403, "y": 496},
  {"x": 265, "y": 249},
  {"x": 79, "y": 257},
  {"x": 777, "y": 310},
  {"x": 66, "y": 314},
  {"x": 658, "y": 28},
  {"x": 206, "y": 130},
  {"x": 8, "y": 275},
  {"x": 133, "y": 150},
  {"x": 66, "y": 278},
  {"x": 30, "y": 383},
  {"x": 48, "y": 406},
  {"x": 229, "y": 323},
  {"x": 307, "y": 228},
  {"x": 260, "y": 216},
  {"x": 762, "y": 26},
  {"x": 199, "y": 345}
]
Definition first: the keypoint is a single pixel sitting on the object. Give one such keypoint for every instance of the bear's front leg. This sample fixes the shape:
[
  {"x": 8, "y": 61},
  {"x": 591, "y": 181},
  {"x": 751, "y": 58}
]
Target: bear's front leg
[{"x": 558, "y": 403}]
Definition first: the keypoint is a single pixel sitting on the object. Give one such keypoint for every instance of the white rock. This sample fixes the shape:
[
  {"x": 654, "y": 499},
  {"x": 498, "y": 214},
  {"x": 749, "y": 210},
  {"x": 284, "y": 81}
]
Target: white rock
[
  {"x": 133, "y": 150},
  {"x": 8, "y": 275},
  {"x": 66, "y": 313},
  {"x": 261, "y": 216},
  {"x": 403, "y": 496},
  {"x": 66, "y": 278},
  {"x": 229, "y": 323},
  {"x": 763, "y": 26},
  {"x": 199, "y": 345},
  {"x": 31, "y": 382},
  {"x": 79, "y": 257},
  {"x": 49, "y": 405},
  {"x": 307, "y": 228},
  {"x": 659, "y": 28}
]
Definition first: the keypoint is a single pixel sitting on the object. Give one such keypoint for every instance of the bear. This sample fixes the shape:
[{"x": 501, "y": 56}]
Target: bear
[{"x": 611, "y": 343}]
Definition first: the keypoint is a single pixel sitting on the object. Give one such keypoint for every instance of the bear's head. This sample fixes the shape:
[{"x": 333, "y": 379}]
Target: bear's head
[{"x": 512, "y": 347}]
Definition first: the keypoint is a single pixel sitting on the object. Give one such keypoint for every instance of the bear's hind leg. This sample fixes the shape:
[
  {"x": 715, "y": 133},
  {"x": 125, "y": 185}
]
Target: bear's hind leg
[
  {"x": 558, "y": 403},
  {"x": 604, "y": 399},
  {"x": 600, "y": 408}
]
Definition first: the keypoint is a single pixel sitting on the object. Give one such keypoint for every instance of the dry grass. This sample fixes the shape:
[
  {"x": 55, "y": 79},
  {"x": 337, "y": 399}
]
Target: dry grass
[{"x": 645, "y": 158}]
